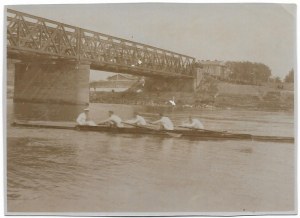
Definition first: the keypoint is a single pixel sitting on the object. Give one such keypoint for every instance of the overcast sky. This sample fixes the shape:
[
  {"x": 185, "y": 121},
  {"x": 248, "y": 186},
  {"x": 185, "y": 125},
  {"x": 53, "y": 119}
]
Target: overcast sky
[{"x": 263, "y": 33}]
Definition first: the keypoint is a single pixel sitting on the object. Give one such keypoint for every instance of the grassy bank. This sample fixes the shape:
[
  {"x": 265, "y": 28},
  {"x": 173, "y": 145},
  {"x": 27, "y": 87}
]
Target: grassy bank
[{"x": 267, "y": 98}]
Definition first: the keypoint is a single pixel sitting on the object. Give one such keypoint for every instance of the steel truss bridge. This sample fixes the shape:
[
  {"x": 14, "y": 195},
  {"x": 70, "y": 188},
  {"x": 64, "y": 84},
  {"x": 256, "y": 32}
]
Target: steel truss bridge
[{"x": 35, "y": 38}]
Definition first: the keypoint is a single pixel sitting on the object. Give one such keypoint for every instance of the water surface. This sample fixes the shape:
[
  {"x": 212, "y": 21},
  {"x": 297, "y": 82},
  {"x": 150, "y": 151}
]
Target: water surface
[{"x": 70, "y": 171}]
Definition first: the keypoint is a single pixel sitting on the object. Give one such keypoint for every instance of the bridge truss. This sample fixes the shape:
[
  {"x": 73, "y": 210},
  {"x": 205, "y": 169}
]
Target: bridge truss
[{"x": 30, "y": 37}]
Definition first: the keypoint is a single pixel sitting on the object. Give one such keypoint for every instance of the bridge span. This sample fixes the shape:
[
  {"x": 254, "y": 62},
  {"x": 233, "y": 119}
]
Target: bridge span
[
  {"x": 30, "y": 36},
  {"x": 57, "y": 57}
]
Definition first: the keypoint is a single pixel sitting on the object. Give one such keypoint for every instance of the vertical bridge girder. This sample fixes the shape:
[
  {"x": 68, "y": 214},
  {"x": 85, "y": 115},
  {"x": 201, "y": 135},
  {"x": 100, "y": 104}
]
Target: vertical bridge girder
[{"x": 29, "y": 35}]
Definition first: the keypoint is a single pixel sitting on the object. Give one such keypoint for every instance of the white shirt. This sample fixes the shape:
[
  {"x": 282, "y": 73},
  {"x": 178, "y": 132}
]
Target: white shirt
[
  {"x": 117, "y": 120},
  {"x": 195, "y": 124},
  {"x": 81, "y": 119},
  {"x": 166, "y": 122},
  {"x": 139, "y": 120}
]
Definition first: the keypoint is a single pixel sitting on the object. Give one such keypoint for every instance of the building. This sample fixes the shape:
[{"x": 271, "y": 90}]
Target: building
[
  {"x": 121, "y": 77},
  {"x": 214, "y": 68},
  {"x": 117, "y": 83}
]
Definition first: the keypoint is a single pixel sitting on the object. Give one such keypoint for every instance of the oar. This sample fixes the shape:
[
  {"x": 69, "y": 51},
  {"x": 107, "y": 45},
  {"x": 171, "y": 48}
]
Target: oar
[
  {"x": 212, "y": 131},
  {"x": 176, "y": 135},
  {"x": 169, "y": 133},
  {"x": 206, "y": 130}
]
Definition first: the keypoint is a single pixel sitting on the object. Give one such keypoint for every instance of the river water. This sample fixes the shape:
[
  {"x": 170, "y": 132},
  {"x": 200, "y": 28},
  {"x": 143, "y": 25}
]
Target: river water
[{"x": 52, "y": 170}]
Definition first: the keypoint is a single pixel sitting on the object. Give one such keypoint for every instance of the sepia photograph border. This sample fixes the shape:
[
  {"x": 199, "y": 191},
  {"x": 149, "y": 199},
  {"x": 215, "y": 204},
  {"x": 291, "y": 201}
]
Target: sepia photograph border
[{"x": 3, "y": 125}]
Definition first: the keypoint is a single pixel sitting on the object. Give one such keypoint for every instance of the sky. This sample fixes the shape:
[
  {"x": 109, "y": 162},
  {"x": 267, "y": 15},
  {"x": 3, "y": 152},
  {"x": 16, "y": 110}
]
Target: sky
[{"x": 264, "y": 33}]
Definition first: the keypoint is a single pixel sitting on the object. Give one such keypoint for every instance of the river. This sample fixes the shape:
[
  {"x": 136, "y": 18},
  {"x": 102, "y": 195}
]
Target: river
[{"x": 51, "y": 170}]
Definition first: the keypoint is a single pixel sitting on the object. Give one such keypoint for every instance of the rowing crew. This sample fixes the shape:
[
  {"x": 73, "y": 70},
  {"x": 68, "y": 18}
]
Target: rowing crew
[{"x": 115, "y": 121}]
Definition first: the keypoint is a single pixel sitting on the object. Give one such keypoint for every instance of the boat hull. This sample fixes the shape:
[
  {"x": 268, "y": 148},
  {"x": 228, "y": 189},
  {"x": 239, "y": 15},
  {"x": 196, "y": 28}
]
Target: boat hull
[{"x": 185, "y": 133}]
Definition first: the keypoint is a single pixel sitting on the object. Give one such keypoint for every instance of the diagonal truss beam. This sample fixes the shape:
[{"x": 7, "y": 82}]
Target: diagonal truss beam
[{"x": 37, "y": 35}]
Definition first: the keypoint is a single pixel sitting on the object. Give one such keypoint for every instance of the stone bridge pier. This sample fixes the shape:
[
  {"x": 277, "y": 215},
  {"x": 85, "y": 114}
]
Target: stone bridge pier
[{"x": 63, "y": 82}]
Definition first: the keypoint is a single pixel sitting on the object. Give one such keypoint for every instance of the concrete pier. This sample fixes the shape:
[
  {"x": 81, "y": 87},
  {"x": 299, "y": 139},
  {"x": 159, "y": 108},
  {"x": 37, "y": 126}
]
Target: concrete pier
[{"x": 52, "y": 82}]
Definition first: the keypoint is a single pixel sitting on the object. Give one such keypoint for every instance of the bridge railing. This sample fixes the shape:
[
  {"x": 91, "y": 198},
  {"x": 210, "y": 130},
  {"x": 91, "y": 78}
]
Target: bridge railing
[{"x": 32, "y": 34}]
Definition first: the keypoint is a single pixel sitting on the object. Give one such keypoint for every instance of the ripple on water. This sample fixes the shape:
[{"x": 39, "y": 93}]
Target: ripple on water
[{"x": 108, "y": 172}]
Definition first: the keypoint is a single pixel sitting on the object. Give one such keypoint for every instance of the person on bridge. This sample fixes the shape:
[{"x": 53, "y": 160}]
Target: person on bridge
[
  {"x": 113, "y": 120},
  {"x": 193, "y": 123},
  {"x": 165, "y": 122},
  {"x": 138, "y": 120},
  {"x": 84, "y": 120}
]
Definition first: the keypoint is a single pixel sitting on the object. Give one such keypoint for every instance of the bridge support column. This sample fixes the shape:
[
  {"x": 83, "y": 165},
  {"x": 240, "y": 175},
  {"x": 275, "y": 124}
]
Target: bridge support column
[
  {"x": 198, "y": 76},
  {"x": 52, "y": 82}
]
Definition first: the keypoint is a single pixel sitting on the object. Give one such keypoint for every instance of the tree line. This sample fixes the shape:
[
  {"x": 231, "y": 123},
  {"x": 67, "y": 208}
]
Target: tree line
[
  {"x": 289, "y": 78},
  {"x": 254, "y": 73}
]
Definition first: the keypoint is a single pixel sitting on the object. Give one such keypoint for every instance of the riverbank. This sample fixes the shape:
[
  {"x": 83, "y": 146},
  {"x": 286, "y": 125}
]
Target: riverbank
[{"x": 249, "y": 97}]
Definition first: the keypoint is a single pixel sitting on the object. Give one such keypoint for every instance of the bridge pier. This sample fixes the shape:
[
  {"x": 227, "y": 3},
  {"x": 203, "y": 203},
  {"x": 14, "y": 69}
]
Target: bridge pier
[
  {"x": 52, "y": 82},
  {"x": 198, "y": 76}
]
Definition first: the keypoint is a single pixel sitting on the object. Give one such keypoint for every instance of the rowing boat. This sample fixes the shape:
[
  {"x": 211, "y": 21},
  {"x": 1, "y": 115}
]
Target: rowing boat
[{"x": 186, "y": 133}]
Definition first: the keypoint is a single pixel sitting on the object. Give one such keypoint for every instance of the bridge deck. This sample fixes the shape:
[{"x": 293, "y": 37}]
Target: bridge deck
[{"x": 30, "y": 37}]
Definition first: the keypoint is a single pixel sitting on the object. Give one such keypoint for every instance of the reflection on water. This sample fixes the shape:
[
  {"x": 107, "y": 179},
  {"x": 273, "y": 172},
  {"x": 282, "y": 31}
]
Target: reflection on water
[
  {"x": 47, "y": 112},
  {"x": 253, "y": 122},
  {"x": 69, "y": 171}
]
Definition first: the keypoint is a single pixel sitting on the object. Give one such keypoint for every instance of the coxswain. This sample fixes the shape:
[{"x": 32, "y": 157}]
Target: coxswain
[
  {"x": 113, "y": 120},
  {"x": 138, "y": 120},
  {"x": 165, "y": 122},
  {"x": 84, "y": 120},
  {"x": 193, "y": 123}
]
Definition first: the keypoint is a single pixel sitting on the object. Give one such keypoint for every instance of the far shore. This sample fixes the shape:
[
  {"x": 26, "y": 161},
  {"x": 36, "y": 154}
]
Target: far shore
[
  {"x": 267, "y": 97},
  {"x": 229, "y": 96}
]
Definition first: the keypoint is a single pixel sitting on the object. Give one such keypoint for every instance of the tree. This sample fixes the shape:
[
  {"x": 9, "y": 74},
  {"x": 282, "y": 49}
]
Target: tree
[
  {"x": 289, "y": 78},
  {"x": 248, "y": 72},
  {"x": 262, "y": 72}
]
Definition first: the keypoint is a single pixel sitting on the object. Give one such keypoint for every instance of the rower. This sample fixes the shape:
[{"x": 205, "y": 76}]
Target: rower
[
  {"x": 165, "y": 122},
  {"x": 138, "y": 120},
  {"x": 84, "y": 120},
  {"x": 113, "y": 120},
  {"x": 193, "y": 123}
]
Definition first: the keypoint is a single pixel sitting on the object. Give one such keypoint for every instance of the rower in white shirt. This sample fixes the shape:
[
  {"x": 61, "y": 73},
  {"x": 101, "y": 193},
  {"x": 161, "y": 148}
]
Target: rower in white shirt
[
  {"x": 84, "y": 120},
  {"x": 138, "y": 120},
  {"x": 165, "y": 122},
  {"x": 193, "y": 123},
  {"x": 113, "y": 120}
]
